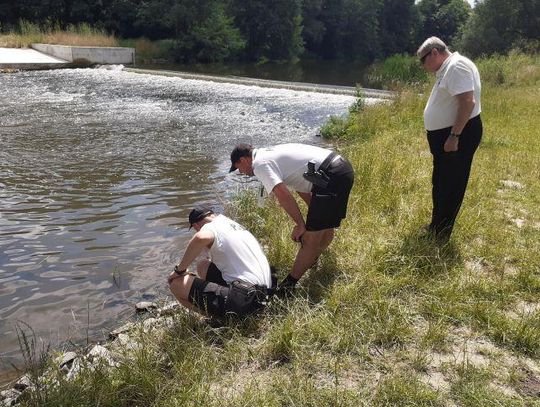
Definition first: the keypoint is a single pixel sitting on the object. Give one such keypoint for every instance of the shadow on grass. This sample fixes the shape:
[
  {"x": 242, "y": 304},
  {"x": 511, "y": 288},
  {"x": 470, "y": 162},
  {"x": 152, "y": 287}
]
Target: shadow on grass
[
  {"x": 321, "y": 277},
  {"x": 423, "y": 256}
]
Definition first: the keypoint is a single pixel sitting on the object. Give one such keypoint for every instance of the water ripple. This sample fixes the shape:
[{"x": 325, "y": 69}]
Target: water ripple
[{"x": 98, "y": 170}]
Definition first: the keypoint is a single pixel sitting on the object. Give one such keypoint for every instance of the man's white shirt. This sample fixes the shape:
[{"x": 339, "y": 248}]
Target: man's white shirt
[
  {"x": 456, "y": 75},
  {"x": 286, "y": 163},
  {"x": 237, "y": 253}
]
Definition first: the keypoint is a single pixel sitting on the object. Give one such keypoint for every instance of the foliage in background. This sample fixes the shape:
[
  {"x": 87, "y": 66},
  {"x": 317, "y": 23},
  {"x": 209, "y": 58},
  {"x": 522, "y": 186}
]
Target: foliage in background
[
  {"x": 272, "y": 29},
  {"x": 394, "y": 73},
  {"x": 81, "y": 34},
  {"x": 205, "y": 33},
  {"x": 497, "y": 26},
  {"x": 148, "y": 51},
  {"x": 442, "y": 18},
  {"x": 362, "y": 30}
]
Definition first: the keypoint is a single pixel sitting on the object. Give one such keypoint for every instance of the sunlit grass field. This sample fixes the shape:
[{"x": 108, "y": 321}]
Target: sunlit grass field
[{"x": 386, "y": 318}]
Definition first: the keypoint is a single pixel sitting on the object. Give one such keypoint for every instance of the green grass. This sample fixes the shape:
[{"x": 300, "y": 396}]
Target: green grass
[
  {"x": 82, "y": 34},
  {"x": 387, "y": 318}
]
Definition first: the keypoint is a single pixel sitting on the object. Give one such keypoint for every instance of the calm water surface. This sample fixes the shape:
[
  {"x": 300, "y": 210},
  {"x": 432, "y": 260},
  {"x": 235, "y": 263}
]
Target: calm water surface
[
  {"x": 98, "y": 170},
  {"x": 335, "y": 72}
]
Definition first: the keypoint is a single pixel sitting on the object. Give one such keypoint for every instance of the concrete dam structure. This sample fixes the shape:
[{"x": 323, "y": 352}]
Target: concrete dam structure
[{"x": 48, "y": 56}]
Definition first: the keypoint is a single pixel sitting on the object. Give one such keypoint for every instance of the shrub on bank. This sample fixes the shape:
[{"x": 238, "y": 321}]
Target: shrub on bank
[
  {"x": 394, "y": 73},
  {"x": 82, "y": 34},
  {"x": 148, "y": 51}
]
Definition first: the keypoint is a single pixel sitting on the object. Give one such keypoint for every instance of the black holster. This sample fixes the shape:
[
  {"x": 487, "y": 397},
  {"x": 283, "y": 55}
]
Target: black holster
[{"x": 245, "y": 298}]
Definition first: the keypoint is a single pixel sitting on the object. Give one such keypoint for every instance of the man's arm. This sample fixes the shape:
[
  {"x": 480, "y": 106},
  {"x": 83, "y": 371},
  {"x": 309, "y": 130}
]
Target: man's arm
[
  {"x": 288, "y": 203},
  {"x": 306, "y": 196},
  {"x": 201, "y": 240},
  {"x": 465, "y": 107}
]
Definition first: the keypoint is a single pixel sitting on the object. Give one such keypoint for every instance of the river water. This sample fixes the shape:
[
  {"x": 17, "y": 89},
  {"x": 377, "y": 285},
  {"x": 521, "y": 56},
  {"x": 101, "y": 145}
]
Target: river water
[{"x": 98, "y": 170}]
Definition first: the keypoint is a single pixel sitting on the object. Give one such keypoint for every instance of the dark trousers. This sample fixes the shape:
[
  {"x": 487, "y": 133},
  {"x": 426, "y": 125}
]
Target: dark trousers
[{"x": 451, "y": 174}]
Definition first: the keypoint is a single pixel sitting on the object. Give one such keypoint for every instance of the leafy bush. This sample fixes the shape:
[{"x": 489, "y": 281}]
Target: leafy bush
[
  {"x": 395, "y": 72},
  {"x": 513, "y": 69}
]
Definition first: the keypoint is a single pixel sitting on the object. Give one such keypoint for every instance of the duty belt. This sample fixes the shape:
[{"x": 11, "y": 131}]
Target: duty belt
[{"x": 328, "y": 161}]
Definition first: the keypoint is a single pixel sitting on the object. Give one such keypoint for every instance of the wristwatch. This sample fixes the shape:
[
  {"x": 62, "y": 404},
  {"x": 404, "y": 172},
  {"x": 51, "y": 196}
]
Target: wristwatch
[
  {"x": 455, "y": 135},
  {"x": 178, "y": 270}
]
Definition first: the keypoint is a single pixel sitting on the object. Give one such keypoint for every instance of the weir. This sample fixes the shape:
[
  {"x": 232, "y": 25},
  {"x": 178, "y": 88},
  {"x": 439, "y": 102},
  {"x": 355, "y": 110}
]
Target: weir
[
  {"x": 48, "y": 56},
  {"x": 265, "y": 83}
]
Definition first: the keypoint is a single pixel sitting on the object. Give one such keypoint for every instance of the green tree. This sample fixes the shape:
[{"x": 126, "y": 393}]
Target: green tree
[
  {"x": 313, "y": 27},
  {"x": 204, "y": 33},
  {"x": 272, "y": 29},
  {"x": 497, "y": 26},
  {"x": 442, "y": 18},
  {"x": 156, "y": 18},
  {"x": 352, "y": 29},
  {"x": 395, "y": 26}
]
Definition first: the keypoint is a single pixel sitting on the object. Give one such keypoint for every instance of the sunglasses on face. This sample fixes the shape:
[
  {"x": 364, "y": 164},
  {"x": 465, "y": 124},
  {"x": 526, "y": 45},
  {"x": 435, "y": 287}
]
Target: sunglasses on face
[{"x": 423, "y": 59}]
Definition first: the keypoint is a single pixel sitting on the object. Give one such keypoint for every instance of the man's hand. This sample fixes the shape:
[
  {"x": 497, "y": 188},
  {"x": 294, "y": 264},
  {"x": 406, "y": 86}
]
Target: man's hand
[
  {"x": 451, "y": 144},
  {"x": 172, "y": 277},
  {"x": 297, "y": 232}
]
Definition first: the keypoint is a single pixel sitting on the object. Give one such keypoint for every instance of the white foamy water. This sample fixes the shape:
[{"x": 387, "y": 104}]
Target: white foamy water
[{"x": 98, "y": 170}]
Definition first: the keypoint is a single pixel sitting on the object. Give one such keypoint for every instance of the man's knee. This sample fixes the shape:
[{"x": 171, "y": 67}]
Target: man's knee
[
  {"x": 313, "y": 238},
  {"x": 181, "y": 286}
]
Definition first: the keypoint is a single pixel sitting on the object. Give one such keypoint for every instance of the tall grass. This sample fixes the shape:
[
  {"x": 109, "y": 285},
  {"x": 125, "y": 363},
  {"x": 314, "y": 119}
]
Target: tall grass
[
  {"x": 394, "y": 73},
  {"x": 81, "y": 34},
  {"x": 149, "y": 51},
  {"x": 386, "y": 318}
]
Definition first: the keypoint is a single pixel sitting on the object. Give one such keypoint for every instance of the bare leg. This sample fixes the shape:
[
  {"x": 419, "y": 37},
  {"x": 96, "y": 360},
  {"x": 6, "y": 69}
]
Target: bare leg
[
  {"x": 180, "y": 288},
  {"x": 327, "y": 239},
  {"x": 312, "y": 243}
]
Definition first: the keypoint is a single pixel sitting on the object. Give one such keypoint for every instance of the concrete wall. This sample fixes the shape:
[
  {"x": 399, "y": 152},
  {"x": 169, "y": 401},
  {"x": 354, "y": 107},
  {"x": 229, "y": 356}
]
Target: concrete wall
[{"x": 89, "y": 55}]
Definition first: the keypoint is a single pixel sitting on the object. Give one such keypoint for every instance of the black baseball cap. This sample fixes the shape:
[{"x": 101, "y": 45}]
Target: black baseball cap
[
  {"x": 241, "y": 150},
  {"x": 197, "y": 214}
]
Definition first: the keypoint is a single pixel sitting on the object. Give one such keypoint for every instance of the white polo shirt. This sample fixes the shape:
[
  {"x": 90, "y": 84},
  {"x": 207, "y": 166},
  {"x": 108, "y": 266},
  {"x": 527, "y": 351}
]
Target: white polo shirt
[
  {"x": 456, "y": 75},
  {"x": 237, "y": 253},
  {"x": 286, "y": 163}
]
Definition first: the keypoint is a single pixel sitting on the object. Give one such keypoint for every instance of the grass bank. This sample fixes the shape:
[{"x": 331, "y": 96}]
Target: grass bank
[
  {"x": 81, "y": 34},
  {"x": 386, "y": 318}
]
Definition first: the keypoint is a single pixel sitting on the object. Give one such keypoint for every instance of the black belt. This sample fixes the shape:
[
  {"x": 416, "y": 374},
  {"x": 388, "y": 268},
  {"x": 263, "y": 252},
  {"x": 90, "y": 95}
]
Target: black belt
[
  {"x": 326, "y": 163},
  {"x": 329, "y": 161}
]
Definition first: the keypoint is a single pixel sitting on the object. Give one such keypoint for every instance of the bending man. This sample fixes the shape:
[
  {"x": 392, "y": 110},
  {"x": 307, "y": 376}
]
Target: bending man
[
  {"x": 325, "y": 188},
  {"x": 236, "y": 277}
]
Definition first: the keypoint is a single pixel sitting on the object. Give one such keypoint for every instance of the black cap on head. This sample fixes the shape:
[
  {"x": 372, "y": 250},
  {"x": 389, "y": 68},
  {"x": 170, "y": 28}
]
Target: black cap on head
[
  {"x": 198, "y": 214},
  {"x": 241, "y": 150}
]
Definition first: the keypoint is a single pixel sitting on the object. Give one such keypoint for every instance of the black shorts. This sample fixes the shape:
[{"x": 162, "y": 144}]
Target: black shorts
[
  {"x": 218, "y": 298},
  {"x": 328, "y": 206}
]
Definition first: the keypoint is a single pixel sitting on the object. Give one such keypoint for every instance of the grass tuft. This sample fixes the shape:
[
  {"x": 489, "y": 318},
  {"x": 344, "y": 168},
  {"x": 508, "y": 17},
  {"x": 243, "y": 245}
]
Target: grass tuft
[{"x": 81, "y": 34}]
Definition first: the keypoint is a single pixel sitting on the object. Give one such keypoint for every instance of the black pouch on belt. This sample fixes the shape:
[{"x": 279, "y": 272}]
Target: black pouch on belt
[
  {"x": 245, "y": 298},
  {"x": 319, "y": 177}
]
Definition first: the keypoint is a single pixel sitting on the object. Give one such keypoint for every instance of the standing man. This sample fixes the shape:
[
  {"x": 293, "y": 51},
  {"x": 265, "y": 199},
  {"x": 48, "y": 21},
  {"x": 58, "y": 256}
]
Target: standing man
[
  {"x": 235, "y": 279},
  {"x": 454, "y": 129},
  {"x": 321, "y": 178}
]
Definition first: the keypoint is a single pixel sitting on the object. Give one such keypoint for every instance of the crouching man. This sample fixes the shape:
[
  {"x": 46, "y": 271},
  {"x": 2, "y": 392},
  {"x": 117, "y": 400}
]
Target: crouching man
[{"x": 235, "y": 280}]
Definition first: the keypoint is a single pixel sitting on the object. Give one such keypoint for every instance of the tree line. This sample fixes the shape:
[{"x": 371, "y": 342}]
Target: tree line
[{"x": 284, "y": 30}]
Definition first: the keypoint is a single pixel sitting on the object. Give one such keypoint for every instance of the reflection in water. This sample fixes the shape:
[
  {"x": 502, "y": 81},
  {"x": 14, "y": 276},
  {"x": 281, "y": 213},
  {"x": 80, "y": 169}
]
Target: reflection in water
[
  {"x": 329, "y": 72},
  {"x": 98, "y": 170}
]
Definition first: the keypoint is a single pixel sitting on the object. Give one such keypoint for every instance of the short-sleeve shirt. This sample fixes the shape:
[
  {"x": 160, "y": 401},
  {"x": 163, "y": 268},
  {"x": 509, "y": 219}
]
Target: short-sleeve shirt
[
  {"x": 286, "y": 163},
  {"x": 456, "y": 75},
  {"x": 236, "y": 252}
]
